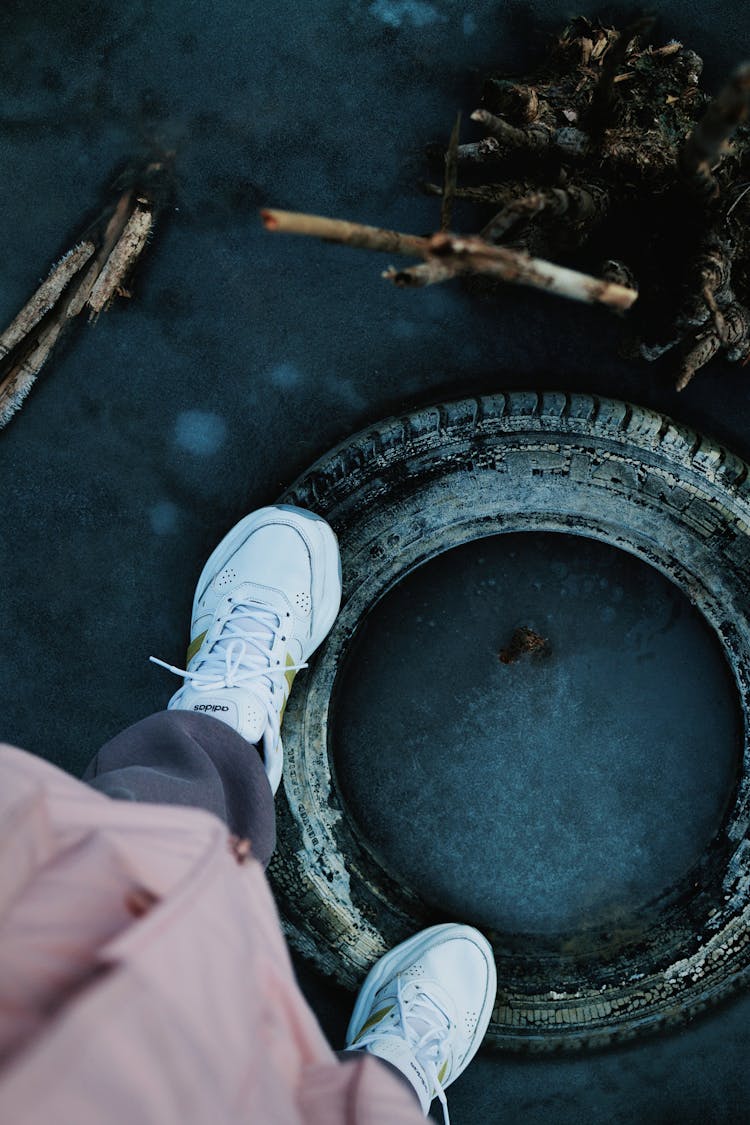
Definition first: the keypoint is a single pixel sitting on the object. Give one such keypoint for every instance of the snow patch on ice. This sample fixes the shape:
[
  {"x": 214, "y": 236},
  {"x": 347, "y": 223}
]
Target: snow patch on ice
[
  {"x": 285, "y": 375},
  {"x": 200, "y": 432},
  {"x": 164, "y": 517},
  {"x": 395, "y": 13}
]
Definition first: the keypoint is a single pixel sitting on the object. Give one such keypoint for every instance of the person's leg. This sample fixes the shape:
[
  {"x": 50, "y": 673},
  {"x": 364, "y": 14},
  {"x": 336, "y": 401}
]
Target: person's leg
[
  {"x": 354, "y": 1054},
  {"x": 189, "y": 758},
  {"x": 265, "y": 600}
]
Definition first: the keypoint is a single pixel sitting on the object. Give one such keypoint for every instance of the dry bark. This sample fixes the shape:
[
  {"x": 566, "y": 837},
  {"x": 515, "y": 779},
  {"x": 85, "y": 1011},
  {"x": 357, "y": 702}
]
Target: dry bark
[{"x": 88, "y": 278}]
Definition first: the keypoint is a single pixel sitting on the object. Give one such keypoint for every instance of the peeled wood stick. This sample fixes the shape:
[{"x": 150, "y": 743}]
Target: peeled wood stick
[
  {"x": 434, "y": 271},
  {"x": 16, "y": 382},
  {"x": 112, "y": 232},
  {"x": 46, "y": 295},
  {"x": 474, "y": 255},
  {"x": 464, "y": 255},
  {"x": 125, "y": 253},
  {"x": 87, "y": 277},
  {"x": 349, "y": 234}
]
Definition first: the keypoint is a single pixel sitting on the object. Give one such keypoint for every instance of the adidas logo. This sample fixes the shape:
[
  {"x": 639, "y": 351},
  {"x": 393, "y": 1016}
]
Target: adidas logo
[{"x": 210, "y": 707}]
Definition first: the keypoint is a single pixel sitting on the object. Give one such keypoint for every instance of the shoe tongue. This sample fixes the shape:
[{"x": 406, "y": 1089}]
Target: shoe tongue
[
  {"x": 241, "y": 616},
  {"x": 422, "y": 993},
  {"x": 265, "y": 597}
]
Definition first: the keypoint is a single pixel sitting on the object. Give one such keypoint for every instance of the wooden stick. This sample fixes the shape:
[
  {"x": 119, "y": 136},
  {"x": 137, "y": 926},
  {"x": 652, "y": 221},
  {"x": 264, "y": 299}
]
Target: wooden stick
[
  {"x": 451, "y": 176},
  {"x": 535, "y": 136},
  {"x": 348, "y": 234},
  {"x": 491, "y": 194},
  {"x": 16, "y": 382},
  {"x": 604, "y": 93},
  {"x": 46, "y": 295},
  {"x": 114, "y": 228},
  {"x": 124, "y": 255},
  {"x": 707, "y": 143},
  {"x": 430, "y": 273},
  {"x": 705, "y": 343},
  {"x": 477, "y": 152},
  {"x": 88, "y": 276},
  {"x": 463, "y": 255},
  {"x": 474, "y": 255}
]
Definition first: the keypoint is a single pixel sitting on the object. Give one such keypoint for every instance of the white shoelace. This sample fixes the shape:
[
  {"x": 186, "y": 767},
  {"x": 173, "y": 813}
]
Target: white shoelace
[
  {"x": 425, "y": 1027},
  {"x": 240, "y": 657}
]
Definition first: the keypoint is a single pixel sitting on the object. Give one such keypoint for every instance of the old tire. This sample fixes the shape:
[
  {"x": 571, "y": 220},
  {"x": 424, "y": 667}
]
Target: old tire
[{"x": 403, "y": 491}]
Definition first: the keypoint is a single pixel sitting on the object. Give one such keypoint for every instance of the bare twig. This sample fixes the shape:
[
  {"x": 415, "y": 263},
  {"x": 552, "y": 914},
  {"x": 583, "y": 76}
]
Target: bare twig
[
  {"x": 87, "y": 277},
  {"x": 491, "y": 194},
  {"x": 46, "y": 295},
  {"x": 429, "y": 273},
  {"x": 463, "y": 255},
  {"x": 734, "y": 335},
  {"x": 604, "y": 93},
  {"x": 338, "y": 230},
  {"x": 706, "y": 145},
  {"x": 537, "y": 135},
  {"x": 18, "y": 375},
  {"x": 451, "y": 176},
  {"x": 474, "y": 255},
  {"x": 582, "y": 205},
  {"x": 127, "y": 250},
  {"x": 478, "y": 152}
]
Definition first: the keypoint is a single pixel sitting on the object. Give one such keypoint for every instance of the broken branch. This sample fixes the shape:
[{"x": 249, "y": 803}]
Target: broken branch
[
  {"x": 603, "y": 98},
  {"x": 732, "y": 334},
  {"x": 46, "y": 295},
  {"x": 127, "y": 250},
  {"x": 338, "y": 230},
  {"x": 537, "y": 135},
  {"x": 463, "y": 255},
  {"x": 474, "y": 255},
  {"x": 707, "y": 143},
  {"x": 88, "y": 276},
  {"x": 451, "y": 176}
]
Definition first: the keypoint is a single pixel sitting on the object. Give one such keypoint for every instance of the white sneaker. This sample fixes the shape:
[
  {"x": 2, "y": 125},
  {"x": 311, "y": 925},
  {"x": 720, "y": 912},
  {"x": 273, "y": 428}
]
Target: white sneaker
[
  {"x": 425, "y": 1007},
  {"x": 266, "y": 599}
]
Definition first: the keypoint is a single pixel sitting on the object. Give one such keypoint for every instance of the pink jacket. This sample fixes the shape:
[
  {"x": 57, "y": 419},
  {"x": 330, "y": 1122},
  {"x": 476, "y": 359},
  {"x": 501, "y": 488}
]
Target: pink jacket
[{"x": 144, "y": 978}]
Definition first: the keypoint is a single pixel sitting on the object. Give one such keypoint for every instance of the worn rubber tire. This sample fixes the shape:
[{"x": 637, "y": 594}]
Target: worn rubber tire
[{"x": 411, "y": 487}]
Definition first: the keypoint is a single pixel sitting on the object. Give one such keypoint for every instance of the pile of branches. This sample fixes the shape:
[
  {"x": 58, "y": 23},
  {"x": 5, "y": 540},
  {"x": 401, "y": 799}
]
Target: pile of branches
[
  {"x": 86, "y": 280},
  {"x": 608, "y": 160}
]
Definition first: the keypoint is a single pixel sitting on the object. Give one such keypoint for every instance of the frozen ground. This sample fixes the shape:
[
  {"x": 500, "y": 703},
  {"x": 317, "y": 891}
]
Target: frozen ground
[{"x": 243, "y": 357}]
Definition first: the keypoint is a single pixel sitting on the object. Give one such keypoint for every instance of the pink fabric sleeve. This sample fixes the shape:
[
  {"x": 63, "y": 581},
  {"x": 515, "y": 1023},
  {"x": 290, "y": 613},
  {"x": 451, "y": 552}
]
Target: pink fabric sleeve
[{"x": 188, "y": 1014}]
